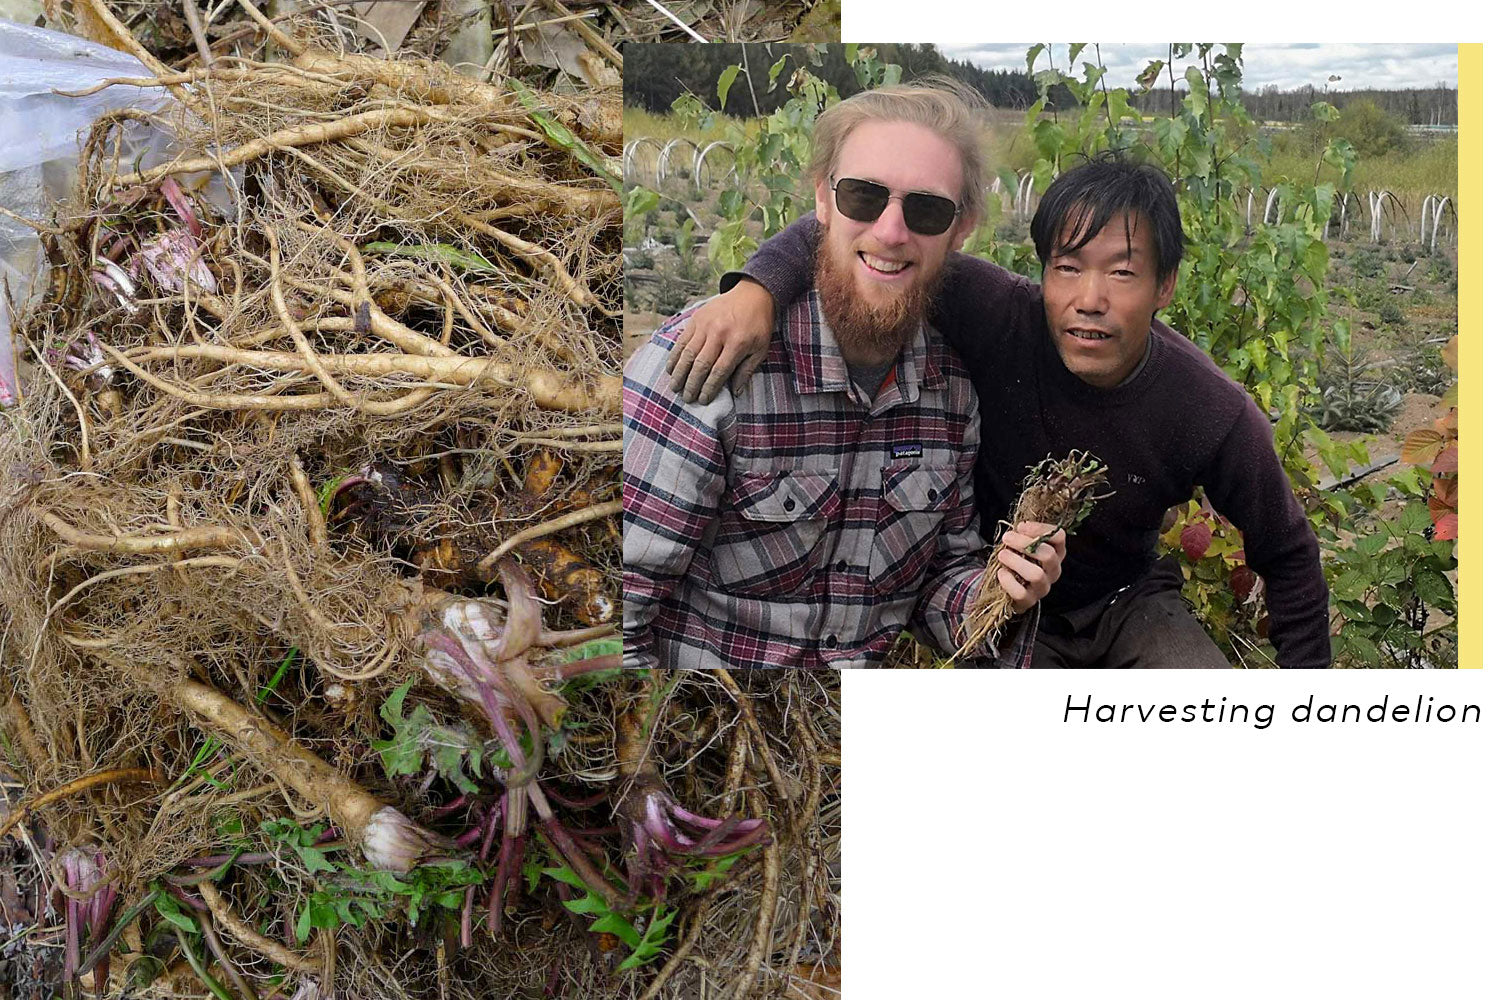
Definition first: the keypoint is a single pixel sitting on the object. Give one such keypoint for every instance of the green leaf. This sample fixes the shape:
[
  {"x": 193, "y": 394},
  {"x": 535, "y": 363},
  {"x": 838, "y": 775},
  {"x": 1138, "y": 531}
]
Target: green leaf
[
  {"x": 1433, "y": 587},
  {"x": 443, "y": 253},
  {"x": 714, "y": 872},
  {"x": 592, "y": 648},
  {"x": 1047, "y": 79},
  {"x": 567, "y": 876},
  {"x": 583, "y": 905},
  {"x": 1073, "y": 49},
  {"x": 1048, "y": 137},
  {"x": 171, "y": 911},
  {"x": 1363, "y": 649},
  {"x": 653, "y": 941},
  {"x": 324, "y": 916},
  {"x": 613, "y": 923},
  {"x": 1350, "y": 586},
  {"x": 726, "y": 80},
  {"x": 639, "y": 201},
  {"x": 560, "y": 137},
  {"x": 1031, "y": 55},
  {"x": 313, "y": 860},
  {"x": 1323, "y": 111},
  {"x": 776, "y": 69},
  {"x": 304, "y": 924},
  {"x": 390, "y": 709}
]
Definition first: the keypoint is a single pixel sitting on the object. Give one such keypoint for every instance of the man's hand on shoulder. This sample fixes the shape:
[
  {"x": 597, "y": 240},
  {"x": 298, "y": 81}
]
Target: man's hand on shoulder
[
  {"x": 726, "y": 338},
  {"x": 1031, "y": 555}
]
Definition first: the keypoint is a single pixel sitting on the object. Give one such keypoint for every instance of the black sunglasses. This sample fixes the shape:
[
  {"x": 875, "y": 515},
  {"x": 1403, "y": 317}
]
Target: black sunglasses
[{"x": 864, "y": 201}]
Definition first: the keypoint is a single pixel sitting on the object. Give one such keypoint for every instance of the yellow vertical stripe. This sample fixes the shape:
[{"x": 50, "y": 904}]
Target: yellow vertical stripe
[{"x": 1470, "y": 359}]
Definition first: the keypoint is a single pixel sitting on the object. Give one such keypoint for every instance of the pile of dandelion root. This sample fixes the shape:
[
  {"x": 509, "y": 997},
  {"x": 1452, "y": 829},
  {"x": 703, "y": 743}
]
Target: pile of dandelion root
[
  {"x": 1060, "y": 492},
  {"x": 309, "y": 550}
]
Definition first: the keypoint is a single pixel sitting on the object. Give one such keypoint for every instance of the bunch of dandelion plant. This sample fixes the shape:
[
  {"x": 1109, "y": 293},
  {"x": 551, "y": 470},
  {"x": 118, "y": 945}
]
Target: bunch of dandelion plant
[{"x": 1060, "y": 492}]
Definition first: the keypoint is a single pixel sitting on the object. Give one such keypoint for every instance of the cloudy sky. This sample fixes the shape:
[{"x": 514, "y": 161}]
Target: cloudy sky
[{"x": 1285, "y": 65}]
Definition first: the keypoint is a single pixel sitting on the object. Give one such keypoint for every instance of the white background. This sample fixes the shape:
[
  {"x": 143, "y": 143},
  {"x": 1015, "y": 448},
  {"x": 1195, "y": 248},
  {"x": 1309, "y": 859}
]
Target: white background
[{"x": 992, "y": 851}]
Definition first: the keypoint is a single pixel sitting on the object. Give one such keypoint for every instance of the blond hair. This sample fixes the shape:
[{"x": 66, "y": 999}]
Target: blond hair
[{"x": 942, "y": 104}]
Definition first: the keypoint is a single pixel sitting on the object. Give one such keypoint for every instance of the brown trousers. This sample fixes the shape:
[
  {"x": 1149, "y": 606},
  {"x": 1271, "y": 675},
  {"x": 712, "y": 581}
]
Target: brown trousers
[{"x": 1145, "y": 625}]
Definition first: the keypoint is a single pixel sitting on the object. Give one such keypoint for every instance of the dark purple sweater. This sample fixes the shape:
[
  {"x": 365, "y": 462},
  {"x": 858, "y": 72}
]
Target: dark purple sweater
[{"x": 1180, "y": 422}]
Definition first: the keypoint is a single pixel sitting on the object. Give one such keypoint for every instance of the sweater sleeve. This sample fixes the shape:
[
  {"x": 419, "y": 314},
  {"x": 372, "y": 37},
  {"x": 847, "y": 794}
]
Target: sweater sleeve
[
  {"x": 974, "y": 298},
  {"x": 1247, "y": 485}
]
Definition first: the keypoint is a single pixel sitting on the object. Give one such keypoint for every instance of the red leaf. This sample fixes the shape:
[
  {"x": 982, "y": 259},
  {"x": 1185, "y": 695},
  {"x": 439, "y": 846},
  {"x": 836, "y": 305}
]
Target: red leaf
[
  {"x": 1446, "y": 462},
  {"x": 1195, "y": 539},
  {"x": 1242, "y": 581},
  {"x": 1447, "y": 528},
  {"x": 1444, "y": 495}
]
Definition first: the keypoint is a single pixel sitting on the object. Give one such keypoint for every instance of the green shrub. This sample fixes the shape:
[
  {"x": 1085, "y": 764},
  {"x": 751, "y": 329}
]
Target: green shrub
[{"x": 1366, "y": 263}]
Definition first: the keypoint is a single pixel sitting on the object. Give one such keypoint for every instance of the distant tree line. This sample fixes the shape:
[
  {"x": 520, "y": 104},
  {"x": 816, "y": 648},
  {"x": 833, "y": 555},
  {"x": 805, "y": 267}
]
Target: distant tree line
[{"x": 656, "y": 74}]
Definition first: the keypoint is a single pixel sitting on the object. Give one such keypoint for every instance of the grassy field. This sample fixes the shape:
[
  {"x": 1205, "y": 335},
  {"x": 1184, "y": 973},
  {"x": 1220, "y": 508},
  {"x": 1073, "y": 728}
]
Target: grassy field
[{"x": 1430, "y": 167}]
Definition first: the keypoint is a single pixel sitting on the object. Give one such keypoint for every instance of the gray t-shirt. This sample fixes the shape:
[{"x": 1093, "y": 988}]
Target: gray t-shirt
[{"x": 868, "y": 377}]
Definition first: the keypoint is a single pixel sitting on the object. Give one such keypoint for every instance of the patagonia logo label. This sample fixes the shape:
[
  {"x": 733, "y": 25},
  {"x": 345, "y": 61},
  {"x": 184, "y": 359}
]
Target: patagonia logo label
[{"x": 906, "y": 451}]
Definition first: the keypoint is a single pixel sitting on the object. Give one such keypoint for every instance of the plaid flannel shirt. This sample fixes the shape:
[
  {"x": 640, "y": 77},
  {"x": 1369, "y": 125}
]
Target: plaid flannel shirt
[{"x": 800, "y": 525}]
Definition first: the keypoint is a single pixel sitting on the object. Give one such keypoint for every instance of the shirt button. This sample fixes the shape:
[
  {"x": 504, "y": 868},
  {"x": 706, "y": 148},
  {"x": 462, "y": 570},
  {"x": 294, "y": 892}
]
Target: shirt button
[
  {"x": 841, "y": 566},
  {"x": 932, "y": 494},
  {"x": 832, "y": 640},
  {"x": 790, "y": 504}
]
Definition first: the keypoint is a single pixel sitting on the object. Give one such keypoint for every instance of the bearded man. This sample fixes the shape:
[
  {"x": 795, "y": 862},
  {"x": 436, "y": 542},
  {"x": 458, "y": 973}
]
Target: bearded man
[{"x": 810, "y": 520}]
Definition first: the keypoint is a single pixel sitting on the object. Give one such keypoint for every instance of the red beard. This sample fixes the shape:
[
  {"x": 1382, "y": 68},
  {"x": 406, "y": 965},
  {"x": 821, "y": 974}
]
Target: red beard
[{"x": 860, "y": 327}]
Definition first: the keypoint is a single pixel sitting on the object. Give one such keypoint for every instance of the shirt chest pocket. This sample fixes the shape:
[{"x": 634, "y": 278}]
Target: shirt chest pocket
[
  {"x": 773, "y": 528},
  {"x": 914, "y": 500}
]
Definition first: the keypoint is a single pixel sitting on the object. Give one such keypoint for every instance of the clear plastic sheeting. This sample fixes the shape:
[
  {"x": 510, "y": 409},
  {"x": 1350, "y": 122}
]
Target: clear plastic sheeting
[
  {"x": 37, "y": 124},
  {"x": 39, "y": 136}
]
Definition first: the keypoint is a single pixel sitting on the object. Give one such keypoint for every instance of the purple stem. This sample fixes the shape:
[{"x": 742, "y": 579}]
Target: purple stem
[
  {"x": 730, "y": 845},
  {"x": 722, "y": 836},
  {"x": 452, "y": 806},
  {"x": 517, "y": 857},
  {"x": 180, "y": 204},
  {"x": 70, "y": 960},
  {"x": 468, "y": 836},
  {"x": 637, "y": 868},
  {"x": 507, "y": 872},
  {"x": 496, "y": 817},
  {"x": 193, "y": 901},
  {"x": 466, "y": 922},
  {"x": 740, "y": 826},
  {"x": 581, "y": 865},
  {"x": 104, "y": 901},
  {"x": 445, "y": 643},
  {"x": 533, "y": 764},
  {"x": 215, "y": 860},
  {"x": 594, "y": 664},
  {"x": 587, "y": 802}
]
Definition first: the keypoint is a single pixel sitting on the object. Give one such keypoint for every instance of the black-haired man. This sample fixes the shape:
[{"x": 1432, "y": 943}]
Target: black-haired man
[{"x": 1080, "y": 361}]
